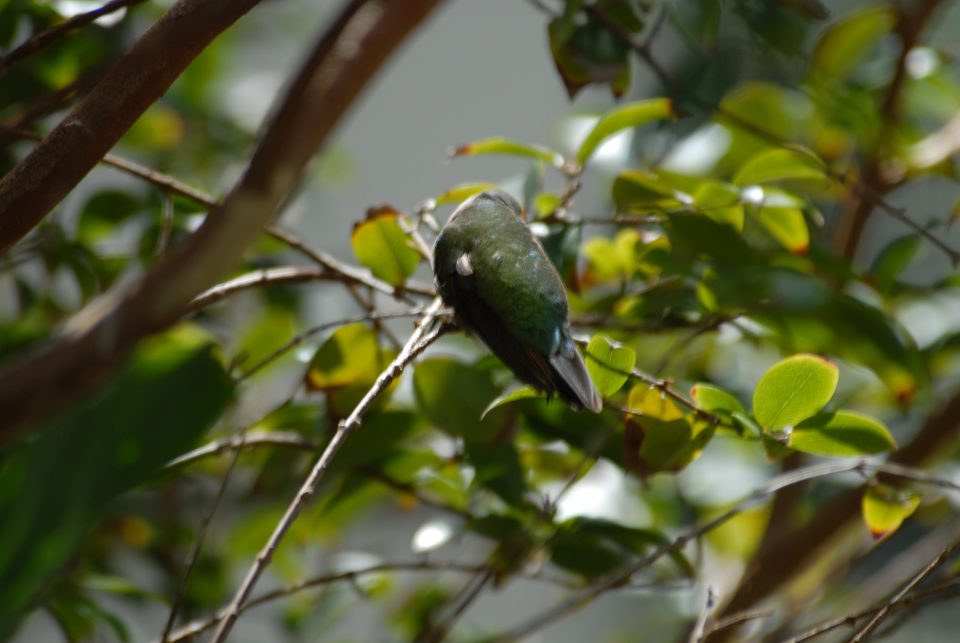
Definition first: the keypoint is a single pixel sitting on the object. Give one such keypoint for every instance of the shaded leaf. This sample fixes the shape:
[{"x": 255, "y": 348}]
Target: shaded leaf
[
  {"x": 848, "y": 41},
  {"x": 793, "y": 390},
  {"x": 522, "y": 393},
  {"x": 720, "y": 202},
  {"x": 453, "y": 396},
  {"x": 155, "y": 408},
  {"x": 893, "y": 259}
]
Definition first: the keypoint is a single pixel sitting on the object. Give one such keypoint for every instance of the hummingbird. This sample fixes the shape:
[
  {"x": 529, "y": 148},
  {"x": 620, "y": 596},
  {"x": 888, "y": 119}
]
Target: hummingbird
[{"x": 495, "y": 275}]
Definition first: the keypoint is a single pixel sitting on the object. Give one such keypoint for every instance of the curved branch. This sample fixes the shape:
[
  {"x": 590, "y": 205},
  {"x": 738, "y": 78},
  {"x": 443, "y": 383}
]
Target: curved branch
[
  {"x": 360, "y": 40},
  {"x": 91, "y": 128}
]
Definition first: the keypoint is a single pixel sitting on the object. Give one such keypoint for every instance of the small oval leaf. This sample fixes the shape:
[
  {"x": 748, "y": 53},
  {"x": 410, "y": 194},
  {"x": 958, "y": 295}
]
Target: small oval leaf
[
  {"x": 522, "y": 393},
  {"x": 841, "y": 434},
  {"x": 793, "y": 390},
  {"x": 782, "y": 165},
  {"x": 500, "y": 145},
  {"x": 720, "y": 202},
  {"x": 381, "y": 245},
  {"x": 462, "y": 192},
  {"x": 714, "y": 399},
  {"x": 632, "y": 115},
  {"x": 609, "y": 364},
  {"x": 885, "y": 508}
]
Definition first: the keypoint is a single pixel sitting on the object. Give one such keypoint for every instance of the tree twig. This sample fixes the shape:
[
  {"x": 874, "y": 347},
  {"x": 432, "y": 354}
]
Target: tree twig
[
  {"x": 419, "y": 340},
  {"x": 46, "y": 38}
]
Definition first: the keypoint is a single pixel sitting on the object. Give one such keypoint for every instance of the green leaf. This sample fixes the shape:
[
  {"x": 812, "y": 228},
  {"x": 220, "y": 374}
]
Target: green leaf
[
  {"x": 720, "y": 202},
  {"x": 847, "y": 42},
  {"x": 453, "y": 396},
  {"x": 522, "y": 393},
  {"x": 497, "y": 467},
  {"x": 793, "y": 390},
  {"x": 642, "y": 191},
  {"x": 382, "y": 246},
  {"x": 893, "y": 259},
  {"x": 509, "y": 147},
  {"x": 350, "y": 355},
  {"x": 632, "y": 115},
  {"x": 715, "y": 400},
  {"x": 119, "y": 436},
  {"x": 593, "y": 547},
  {"x": 780, "y": 214},
  {"x": 612, "y": 260},
  {"x": 461, "y": 192},
  {"x": 668, "y": 445},
  {"x": 885, "y": 508},
  {"x": 609, "y": 364},
  {"x": 782, "y": 165},
  {"x": 841, "y": 434}
]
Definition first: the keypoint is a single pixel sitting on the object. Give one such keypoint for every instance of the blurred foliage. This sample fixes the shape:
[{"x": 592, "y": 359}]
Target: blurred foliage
[{"x": 731, "y": 308}]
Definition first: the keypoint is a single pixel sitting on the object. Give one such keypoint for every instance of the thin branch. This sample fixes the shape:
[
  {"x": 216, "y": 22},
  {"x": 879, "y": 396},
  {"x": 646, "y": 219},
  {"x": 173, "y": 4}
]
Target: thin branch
[
  {"x": 941, "y": 590},
  {"x": 922, "y": 575},
  {"x": 698, "y": 634},
  {"x": 464, "y": 598},
  {"x": 126, "y": 90},
  {"x": 198, "y": 627},
  {"x": 738, "y": 619},
  {"x": 46, "y": 38},
  {"x": 92, "y": 343},
  {"x": 198, "y": 544},
  {"x": 251, "y": 440},
  {"x": 418, "y": 342},
  {"x": 783, "y": 481}
]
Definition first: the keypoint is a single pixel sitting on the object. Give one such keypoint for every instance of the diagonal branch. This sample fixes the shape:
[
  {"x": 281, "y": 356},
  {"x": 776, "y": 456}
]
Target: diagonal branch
[
  {"x": 357, "y": 44},
  {"x": 418, "y": 342},
  {"x": 124, "y": 93}
]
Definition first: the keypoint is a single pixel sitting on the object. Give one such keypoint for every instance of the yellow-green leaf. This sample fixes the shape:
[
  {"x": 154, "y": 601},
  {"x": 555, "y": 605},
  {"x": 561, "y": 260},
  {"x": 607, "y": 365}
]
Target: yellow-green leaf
[
  {"x": 609, "y": 364},
  {"x": 650, "y": 402},
  {"x": 714, "y": 399},
  {"x": 793, "y": 390},
  {"x": 632, "y": 115},
  {"x": 461, "y": 192},
  {"x": 841, "y": 434},
  {"x": 782, "y": 165},
  {"x": 642, "y": 191},
  {"x": 720, "y": 202},
  {"x": 885, "y": 509},
  {"x": 509, "y": 147},
  {"x": 522, "y": 393},
  {"x": 849, "y": 40},
  {"x": 349, "y": 356},
  {"x": 382, "y": 246}
]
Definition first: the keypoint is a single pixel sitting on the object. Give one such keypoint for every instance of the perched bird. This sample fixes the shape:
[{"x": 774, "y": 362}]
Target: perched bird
[{"x": 494, "y": 273}]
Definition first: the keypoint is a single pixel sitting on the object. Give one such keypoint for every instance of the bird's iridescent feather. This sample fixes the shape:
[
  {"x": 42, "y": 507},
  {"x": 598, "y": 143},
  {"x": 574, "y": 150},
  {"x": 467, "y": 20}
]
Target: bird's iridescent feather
[{"x": 496, "y": 276}]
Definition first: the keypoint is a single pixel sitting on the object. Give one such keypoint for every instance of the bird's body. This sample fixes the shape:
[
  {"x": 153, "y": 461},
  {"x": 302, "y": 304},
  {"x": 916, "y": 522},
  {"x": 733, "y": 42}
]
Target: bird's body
[{"x": 494, "y": 273}]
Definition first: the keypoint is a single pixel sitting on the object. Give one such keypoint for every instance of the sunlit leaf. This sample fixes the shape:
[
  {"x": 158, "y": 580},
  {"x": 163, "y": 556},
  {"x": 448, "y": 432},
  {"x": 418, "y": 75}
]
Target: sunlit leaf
[
  {"x": 885, "y": 508},
  {"x": 782, "y": 165},
  {"x": 644, "y": 400},
  {"x": 461, "y": 192},
  {"x": 350, "y": 355},
  {"x": 609, "y": 364},
  {"x": 382, "y": 246},
  {"x": 720, "y": 202},
  {"x": 508, "y": 147},
  {"x": 793, "y": 390},
  {"x": 716, "y": 400},
  {"x": 782, "y": 217},
  {"x": 841, "y": 434},
  {"x": 628, "y": 116}
]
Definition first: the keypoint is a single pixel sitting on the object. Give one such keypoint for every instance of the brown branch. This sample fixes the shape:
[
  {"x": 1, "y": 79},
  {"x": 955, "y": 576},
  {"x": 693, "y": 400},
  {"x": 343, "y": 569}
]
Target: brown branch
[
  {"x": 794, "y": 550},
  {"x": 46, "y": 38},
  {"x": 421, "y": 338},
  {"x": 124, "y": 93},
  {"x": 874, "y": 180},
  {"x": 357, "y": 44}
]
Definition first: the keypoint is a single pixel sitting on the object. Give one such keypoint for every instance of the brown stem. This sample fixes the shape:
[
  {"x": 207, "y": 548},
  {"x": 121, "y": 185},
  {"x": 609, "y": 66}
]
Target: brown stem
[
  {"x": 356, "y": 46},
  {"x": 134, "y": 83},
  {"x": 796, "y": 548}
]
